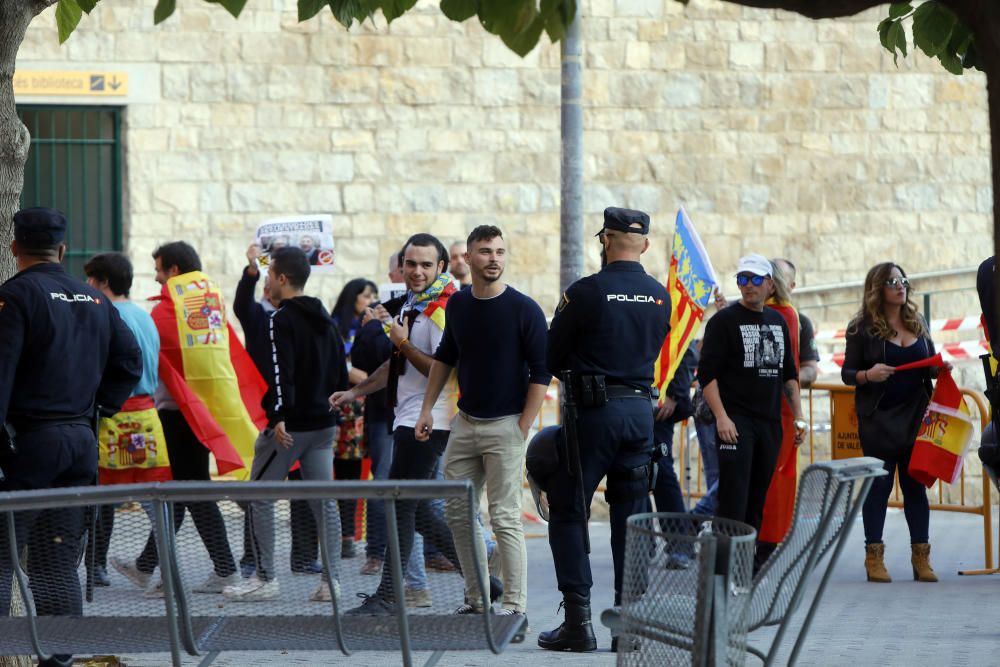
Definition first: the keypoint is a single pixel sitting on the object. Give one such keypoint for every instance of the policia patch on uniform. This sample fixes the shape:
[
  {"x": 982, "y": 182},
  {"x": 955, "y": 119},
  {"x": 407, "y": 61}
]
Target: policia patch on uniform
[{"x": 562, "y": 303}]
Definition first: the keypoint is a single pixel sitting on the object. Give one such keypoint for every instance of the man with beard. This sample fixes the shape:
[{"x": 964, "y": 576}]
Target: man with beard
[
  {"x": 414, "y": 333},
  {"x": 495, "y": 336},
  {"x": 459, "y": 267}
]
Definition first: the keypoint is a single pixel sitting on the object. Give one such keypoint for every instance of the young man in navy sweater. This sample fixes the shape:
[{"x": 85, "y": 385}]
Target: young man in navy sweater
[{"x": 496, "y": 337}]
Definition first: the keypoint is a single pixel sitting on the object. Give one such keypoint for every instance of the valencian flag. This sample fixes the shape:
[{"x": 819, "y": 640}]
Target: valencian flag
[
  {"x": 690, "y": 283},
  {"x": 208, "y": 372},
  {"x": 945, "y": 431}
]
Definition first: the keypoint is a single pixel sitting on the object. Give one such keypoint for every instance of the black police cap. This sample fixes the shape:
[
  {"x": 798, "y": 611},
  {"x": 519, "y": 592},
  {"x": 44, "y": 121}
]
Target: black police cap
[
  {"x": 622, "y": 219},
  {"x": 39, "y": 227}
]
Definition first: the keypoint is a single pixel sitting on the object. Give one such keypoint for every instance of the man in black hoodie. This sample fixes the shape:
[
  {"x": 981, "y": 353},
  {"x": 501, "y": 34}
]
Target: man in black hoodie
[
  {"x": 308, "y": 365},
  {"x": 255, "y": 318}
]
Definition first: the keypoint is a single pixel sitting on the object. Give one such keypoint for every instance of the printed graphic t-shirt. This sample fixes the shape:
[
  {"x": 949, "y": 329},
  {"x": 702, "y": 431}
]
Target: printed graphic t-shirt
[{"x": 748, "y": 354}]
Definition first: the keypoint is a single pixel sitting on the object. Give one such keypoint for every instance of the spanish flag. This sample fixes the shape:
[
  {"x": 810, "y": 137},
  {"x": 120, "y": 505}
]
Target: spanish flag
[
  {"x": 690, "y": 283},
  {"x": 208, "y": 372},
  {"x": 945, "y": 434}
]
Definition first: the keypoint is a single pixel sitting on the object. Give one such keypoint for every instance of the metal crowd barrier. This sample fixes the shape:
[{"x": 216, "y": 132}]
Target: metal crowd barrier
[{"x": 122, "y": 619}]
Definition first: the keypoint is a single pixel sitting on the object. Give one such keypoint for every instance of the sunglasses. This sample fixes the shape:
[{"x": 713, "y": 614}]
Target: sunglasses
[
  {"x": 757, "y": 281},
  {"x": 896, "y": 282}
]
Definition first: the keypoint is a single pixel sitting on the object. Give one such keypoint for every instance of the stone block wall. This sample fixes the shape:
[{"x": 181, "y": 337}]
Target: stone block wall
[{"x": 778, "y": 134}]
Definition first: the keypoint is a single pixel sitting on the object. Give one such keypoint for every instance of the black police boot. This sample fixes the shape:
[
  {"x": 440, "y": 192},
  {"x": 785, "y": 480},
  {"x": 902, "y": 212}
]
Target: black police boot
[{"x": 576, "y": 633}]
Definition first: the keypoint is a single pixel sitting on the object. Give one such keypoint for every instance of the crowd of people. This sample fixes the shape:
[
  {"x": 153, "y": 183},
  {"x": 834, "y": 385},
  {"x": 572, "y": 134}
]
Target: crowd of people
[{"x": 443, "y": 381}]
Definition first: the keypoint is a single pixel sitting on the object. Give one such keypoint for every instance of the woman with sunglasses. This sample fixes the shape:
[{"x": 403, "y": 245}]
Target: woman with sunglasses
[{"x": 888, "y": 332}]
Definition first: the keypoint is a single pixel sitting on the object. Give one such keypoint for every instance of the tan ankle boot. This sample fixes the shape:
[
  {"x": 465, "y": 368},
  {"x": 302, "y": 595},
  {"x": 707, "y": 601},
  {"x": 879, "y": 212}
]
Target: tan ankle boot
[
  {"x": 921, "y": 560},
  {"x": 874, "y": 565}
]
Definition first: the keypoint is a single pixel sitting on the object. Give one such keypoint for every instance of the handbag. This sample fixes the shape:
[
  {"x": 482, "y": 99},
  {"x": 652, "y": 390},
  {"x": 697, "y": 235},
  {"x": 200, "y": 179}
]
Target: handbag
[{"x": 890, "y": 432}]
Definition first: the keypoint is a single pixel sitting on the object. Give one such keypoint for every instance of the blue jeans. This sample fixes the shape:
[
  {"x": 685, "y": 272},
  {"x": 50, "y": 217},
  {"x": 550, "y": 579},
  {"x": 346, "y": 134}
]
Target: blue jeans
[
  {"x": 915, "y": 506},
  {"x": 667, "y": 490},
  {"x": 710, "y": 464}
]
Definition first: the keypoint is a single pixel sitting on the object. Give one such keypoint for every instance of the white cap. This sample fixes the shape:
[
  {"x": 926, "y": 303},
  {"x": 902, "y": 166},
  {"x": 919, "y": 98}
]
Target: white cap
[{"x": 758, "y": 265}]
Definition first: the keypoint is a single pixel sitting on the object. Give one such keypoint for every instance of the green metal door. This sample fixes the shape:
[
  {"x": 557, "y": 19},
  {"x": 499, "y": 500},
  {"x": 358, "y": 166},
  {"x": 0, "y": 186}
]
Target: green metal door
[{"x": 74, "y": 164}]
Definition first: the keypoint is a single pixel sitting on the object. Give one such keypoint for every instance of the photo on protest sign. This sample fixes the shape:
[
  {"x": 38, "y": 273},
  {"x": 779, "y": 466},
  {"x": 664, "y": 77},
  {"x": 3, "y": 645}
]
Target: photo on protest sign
[{"x": 311, "y": 232}]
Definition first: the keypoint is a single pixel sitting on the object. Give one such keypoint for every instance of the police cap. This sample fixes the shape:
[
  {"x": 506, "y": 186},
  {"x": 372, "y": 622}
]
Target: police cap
[
  {"x": 39, "y": 227},
  {"x": 622, "y": 219}
]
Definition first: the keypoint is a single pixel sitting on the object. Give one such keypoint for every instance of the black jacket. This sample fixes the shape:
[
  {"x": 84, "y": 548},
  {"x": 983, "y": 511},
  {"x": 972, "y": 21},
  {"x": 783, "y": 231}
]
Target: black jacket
[
  {"x": 308, "y": 365},
  {"x": 864, "y": 350},
  {"x": 255, "y": 321},
  {"x": 63, "y": 349}
]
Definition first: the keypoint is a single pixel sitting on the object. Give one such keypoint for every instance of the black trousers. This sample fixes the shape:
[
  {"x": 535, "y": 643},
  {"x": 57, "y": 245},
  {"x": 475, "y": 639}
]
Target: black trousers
[
  {"x": 746, "y": 468},
  {"x": 614, "y": 440},
  {"x": 53, "y": 457},
  {"x": 347, "y": 469},
  {"x": 189, "y": 461},
  {"x": 413, "y": 459}
]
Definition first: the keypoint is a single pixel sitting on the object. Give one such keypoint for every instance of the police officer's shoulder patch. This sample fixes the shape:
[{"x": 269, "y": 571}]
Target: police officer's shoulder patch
[{"x": 562, "y": 303}]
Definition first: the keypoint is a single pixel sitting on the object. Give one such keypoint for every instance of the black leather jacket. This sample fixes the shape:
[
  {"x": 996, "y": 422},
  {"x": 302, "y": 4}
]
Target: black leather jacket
[{"x": 864, "y": 350}]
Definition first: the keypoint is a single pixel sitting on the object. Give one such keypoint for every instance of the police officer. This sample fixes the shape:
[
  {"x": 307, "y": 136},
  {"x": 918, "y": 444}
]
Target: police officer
[
  {"x": 607, "y": 330},
  {"x": 66, "y": 357}
]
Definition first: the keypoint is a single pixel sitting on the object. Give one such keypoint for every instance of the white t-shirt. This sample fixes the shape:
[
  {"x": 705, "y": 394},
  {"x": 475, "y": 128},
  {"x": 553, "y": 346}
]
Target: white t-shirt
[{"x": 425, "y": 336}]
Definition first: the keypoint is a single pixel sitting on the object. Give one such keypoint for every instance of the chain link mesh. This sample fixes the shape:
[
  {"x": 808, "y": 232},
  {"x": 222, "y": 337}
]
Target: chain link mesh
[
  {"x": 216, "y": 549},
  {"x": 677, "y": 568}
]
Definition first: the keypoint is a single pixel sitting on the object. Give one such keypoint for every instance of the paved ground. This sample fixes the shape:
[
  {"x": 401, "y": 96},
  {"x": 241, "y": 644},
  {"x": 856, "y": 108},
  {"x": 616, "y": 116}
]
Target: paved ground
[{"x": 905, "y": 623}]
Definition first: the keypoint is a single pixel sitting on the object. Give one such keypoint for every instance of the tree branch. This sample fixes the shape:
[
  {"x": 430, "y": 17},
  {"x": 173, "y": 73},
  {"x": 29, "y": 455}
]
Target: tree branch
[
  {"x": 39, "y": 6},
  {"x": 815, "y": 9}
]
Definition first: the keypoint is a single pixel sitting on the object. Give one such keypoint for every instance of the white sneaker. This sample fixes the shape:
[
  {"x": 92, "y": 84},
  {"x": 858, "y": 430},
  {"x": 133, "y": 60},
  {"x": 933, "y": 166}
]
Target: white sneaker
[
  {"x": 253, "y": 590},
  {"x": 155, "y": 591},
  {"x": 322, "y": 593},
  {"x": 128, "y": 570},
  {"x": 215, "y": 584}
]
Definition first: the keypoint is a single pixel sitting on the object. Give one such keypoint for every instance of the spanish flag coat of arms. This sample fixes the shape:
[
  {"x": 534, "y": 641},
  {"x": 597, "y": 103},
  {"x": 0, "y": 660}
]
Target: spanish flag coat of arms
[{"x": 208, "y": 372}]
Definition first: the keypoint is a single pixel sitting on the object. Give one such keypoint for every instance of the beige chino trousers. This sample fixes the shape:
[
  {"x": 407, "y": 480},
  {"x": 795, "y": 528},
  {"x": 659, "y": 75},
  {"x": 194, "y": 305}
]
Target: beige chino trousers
[{"x": 489, "y": 452}]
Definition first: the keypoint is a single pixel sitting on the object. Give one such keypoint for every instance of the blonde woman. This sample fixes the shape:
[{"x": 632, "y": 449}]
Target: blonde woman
[{"x": 888, "y": 332}]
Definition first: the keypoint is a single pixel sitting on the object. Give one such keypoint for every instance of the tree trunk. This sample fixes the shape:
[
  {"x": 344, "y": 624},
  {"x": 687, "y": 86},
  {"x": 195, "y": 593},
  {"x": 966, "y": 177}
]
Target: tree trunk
[
  {"x": 987, "y": 28},
  {"x": 15, "y": 15}
]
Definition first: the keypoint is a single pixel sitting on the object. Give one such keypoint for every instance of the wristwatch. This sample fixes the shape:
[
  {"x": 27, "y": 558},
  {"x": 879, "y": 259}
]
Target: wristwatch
[{"x": 802, "y": 425}]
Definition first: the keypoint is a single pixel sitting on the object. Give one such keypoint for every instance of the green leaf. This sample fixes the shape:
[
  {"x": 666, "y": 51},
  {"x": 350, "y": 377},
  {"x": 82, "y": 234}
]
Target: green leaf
[
  {"x": 558, "y": 15},
  {"x": 68, "y": 14},
  {"x": 883, "y": 34},
  {"x": 164, "y": 8},
  {"x": 897, "y": 41},
  {"x": 87, "y": 5},
  {"x": 932, "y": 27},
  {"x": 971, "y": 58},
  {"x": 310, "y": 8},
  {"x": 393, "y": 9},
  {"x": 951, "y": 62},
  {"x": 348, "y": 11},
  {"x": 508, "y": 18},
  {"x": 234, "y": 7},
  {"x": 524, "y": 41},
  {"x": 899, "y": 9},
  {"x": 459, "y": 10}
]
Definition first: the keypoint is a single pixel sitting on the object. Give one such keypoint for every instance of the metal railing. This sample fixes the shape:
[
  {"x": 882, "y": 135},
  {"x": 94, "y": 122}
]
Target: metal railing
[{"x": 195, "y": 635}]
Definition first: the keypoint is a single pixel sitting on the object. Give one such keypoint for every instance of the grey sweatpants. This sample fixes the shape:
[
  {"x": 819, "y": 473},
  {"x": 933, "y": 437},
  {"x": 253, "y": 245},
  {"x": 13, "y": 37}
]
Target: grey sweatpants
[{"x": 271, "y": 462}]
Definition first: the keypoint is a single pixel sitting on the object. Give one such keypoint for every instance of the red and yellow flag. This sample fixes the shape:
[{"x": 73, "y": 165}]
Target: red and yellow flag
[
  {"x": 780, "y": 502},
  {"x": 208, "y": 372},
  {"x": 945, "y": 434},
  {"x": 690, "y": 283}
]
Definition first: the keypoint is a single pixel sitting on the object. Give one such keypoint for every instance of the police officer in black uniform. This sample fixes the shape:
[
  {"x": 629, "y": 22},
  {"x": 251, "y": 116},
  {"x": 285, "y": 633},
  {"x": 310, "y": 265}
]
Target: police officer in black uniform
[
  {"x": 65, "y": 358},
  {"x": 608, "y": 330}
]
